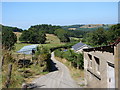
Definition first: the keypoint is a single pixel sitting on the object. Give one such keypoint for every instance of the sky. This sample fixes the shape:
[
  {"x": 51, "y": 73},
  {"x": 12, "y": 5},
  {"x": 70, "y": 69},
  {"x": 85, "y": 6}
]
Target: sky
[{"x": 25, "y": 14}]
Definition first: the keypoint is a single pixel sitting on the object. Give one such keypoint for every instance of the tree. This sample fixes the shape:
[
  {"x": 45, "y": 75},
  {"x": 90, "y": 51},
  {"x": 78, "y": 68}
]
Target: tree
[
  {"x": 25, "y": 36},
  {"x": 8, "y": 39},
  {"x": 45, "y": 28},
  {"x": 14, "y": 29},
  {"x": 79, "y": 61},
  {"x": 113, "y": 33},
  {"x": 97, "y": 37},
  {"x": 33, "y": 37},
  {"x": 38, "y": 38},
  {"x": 62, "y": 35}
]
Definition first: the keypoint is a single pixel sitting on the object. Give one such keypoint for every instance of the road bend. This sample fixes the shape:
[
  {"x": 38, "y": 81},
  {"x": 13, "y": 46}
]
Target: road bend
[{"x": 59, "y": 78}]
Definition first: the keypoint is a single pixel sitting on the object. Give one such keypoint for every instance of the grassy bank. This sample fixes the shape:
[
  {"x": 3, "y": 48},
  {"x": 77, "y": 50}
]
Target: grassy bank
[{"x": 21, "y": 75}]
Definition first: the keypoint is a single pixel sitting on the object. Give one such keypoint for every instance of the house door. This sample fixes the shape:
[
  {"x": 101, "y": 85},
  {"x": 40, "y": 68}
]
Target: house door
[{"x": 110, "y": 76}]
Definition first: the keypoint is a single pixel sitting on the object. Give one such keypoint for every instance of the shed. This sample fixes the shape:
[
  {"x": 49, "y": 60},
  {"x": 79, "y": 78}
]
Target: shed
[{"x": 28, "y": 49}]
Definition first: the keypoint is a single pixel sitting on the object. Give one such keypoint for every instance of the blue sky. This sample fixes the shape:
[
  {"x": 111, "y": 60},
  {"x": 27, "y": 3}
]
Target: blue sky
[{"x": 25, "y": 14}]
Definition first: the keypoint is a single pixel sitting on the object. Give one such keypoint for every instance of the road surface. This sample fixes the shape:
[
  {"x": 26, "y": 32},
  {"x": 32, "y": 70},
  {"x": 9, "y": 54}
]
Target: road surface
[{"x": 57, "y": 79}]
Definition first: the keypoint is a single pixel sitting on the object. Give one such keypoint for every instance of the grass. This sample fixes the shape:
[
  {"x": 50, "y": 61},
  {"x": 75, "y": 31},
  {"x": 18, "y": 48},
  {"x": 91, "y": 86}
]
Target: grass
[
  {"x": 18, "y": 77},
  {"x": 52, "y": 39},
  {"x": 18, "y": 34},
  {"x": 52, "y": 45},
  {"x": 76, "y": 74},
  {"x": 18, "y": 46},
  {"x": 15, "y": 77},
  {"x": 75, "y": 38},
  {"x": 37, "y": 73}
]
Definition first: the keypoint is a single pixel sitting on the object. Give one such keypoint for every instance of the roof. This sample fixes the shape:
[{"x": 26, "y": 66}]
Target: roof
[
  {"x": 109, "y": 48},
  {"x": 79, "y": 46},
  {"x": 117, "y": 41},
  {"x": 27, "y": 49}
]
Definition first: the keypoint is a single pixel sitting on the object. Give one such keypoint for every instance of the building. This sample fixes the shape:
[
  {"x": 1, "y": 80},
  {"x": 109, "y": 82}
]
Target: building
[
  {"x": 29, "y": 49},
  {"x": 102, "y": 66},
  {"x": 78, "y": 48}
]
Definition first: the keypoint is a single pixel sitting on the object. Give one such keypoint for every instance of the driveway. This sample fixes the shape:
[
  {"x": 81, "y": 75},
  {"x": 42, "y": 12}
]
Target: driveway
[{"x": 60, "y": 78}]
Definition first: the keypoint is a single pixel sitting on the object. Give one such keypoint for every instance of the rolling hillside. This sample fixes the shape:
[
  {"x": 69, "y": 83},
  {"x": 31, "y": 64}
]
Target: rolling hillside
[{"x": 52, "y": 39}]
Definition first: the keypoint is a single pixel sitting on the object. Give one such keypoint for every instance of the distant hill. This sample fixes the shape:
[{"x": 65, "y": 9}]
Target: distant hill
[{"x": 87, "y": 27}]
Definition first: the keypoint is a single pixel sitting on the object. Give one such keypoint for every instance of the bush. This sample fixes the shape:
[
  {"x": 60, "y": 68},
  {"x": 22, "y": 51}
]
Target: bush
[
  {"x": 75, "y": 59},
  {"x": 43, "y": 57}
]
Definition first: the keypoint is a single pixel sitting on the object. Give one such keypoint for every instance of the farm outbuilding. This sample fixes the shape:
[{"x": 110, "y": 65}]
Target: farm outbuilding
[
  {"x": 78, "y": 48},
  {"x": 28, "y": 49}
]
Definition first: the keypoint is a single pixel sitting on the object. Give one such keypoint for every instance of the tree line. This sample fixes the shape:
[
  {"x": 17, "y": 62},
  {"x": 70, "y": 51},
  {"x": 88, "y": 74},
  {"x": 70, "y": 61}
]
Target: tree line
[
  {"x": 102, "y": 37},
  {"x": 37, "y": 34},
  {"x": 14, "y": 29}
]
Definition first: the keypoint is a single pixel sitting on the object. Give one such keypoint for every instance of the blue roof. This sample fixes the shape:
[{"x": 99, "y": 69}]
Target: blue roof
[
  {"x": 79, "y": 45},
  {"x": 27, "y": 49}
]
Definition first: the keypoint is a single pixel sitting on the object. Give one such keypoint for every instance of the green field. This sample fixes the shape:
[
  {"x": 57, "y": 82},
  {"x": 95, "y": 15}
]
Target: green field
[
  {"x": 18, "y": 46},
  {"x": 52, "y": 41}
]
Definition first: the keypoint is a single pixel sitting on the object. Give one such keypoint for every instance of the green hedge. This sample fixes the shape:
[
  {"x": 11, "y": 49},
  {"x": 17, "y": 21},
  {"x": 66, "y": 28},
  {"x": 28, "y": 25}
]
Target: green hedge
[{"x": 75, "y": 58}]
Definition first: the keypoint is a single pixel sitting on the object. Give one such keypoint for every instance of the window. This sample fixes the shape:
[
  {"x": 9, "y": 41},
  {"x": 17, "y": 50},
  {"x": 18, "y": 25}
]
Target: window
[
  {"x": 90, "y": 58},
  {"x": 97, "y": 64}
]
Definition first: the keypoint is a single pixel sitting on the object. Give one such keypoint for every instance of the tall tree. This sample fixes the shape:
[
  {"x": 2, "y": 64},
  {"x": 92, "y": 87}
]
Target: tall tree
[
  {"x": 113, "y": 33},
  {"x": 8, "y": 39},
  {"x": 97, "y": 37},
  {"x": 62, "y": 35}
]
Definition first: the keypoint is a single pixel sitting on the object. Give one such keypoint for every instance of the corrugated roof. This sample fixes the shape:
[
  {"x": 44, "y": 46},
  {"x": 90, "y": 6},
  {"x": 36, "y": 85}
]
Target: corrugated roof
[
  {"x": 27, "y": 49},
  {"x": 78, "y": 46}
]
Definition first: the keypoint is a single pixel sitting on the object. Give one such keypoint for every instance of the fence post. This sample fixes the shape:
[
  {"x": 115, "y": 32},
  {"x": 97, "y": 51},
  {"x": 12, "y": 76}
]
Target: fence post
[
  {"x": 8, "y": 76},
  {"x": 1, "y": 62}
]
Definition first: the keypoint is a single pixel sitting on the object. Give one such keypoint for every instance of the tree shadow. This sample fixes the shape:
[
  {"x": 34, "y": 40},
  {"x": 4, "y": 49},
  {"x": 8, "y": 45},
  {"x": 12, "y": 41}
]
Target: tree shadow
[
  {"x": 52, "y": 66},
  {"x": 24, "y": 63}
]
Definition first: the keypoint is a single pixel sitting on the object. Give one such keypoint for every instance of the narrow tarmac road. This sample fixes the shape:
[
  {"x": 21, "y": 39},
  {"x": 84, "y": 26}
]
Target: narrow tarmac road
[{"x": 57, "y": 79}]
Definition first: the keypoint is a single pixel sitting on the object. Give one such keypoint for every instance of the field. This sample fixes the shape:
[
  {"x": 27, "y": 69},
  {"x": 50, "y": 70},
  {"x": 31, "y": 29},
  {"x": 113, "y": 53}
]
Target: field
[
  {"x": 18, "y": 46},
  {"x": 52, "y": 41}
]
